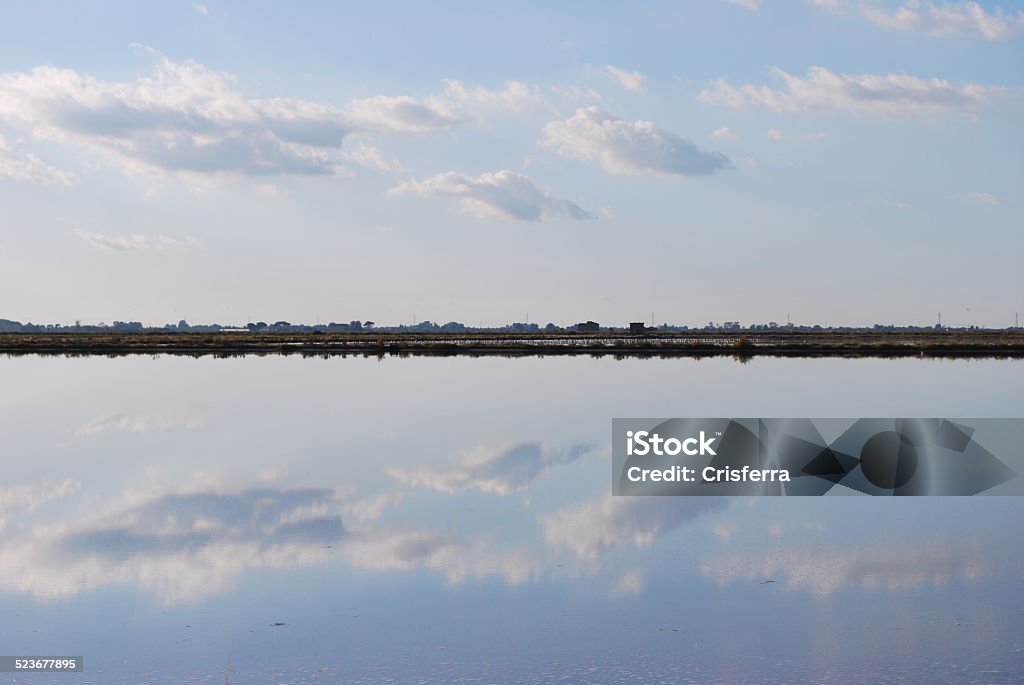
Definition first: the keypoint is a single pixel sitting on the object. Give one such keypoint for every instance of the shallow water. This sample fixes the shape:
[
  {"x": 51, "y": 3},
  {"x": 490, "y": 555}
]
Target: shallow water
[{"x": 449, "y": 520}]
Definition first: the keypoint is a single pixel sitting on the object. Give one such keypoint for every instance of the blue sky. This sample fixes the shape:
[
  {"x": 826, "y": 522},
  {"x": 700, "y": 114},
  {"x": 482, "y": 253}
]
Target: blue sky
[{"x": 842, "y": 162}]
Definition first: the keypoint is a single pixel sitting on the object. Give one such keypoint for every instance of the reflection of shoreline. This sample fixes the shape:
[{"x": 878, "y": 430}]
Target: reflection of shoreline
[{"x": 943, "y": 344}]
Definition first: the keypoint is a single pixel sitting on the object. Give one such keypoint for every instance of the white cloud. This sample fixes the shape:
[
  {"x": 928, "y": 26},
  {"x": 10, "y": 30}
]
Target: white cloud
[
  {"x": 630, "y": 80},
  {"x": 186, "y": 118},
  {"x": 591, "y": 529},
  {"x": 936, "y": 18},
  {"x": 200, "y": 8},
  {"x": 138, "y": 241},
  {"x": 824, "y": 572},
  {"x": 501, "y": 470},
  {"x": 725, "y": 133},
  {"x": 402, "y": 114},
  {"x": 28, "y": 167},
  {"x": 27, "y": 498},
  {"x": 859, "y": 94},
  {"x": 457, "y": 104},
  {"x": 503, "y": 195},
  {"x": 270, "y": 190},
  {"x": 370, "y": 508},
  {"x": 981, "y": 198},
  {"x": 371, "y": 158},
  {"x": 625, "y": 147},
  {"x": 777, "y": 135},
  {"x": 629, "y": 585},
  {"x": 181, "y": 546},
  {"x": 752, "y": 5},
  {"x": 186, "y": 546},
  {"x": 576, "y": 95},
  {"x": 182, "y": 117},
  {"x": 455, "y": 559},
  {"x": 724, "y": 531},
  {"x": 514, "y": 95},
  {"x": 124, "y": 423}
]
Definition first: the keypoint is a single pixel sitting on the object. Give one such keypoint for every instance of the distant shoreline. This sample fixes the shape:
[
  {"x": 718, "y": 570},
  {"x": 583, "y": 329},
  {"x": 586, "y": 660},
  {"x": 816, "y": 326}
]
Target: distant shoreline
[{"x": 938, "y": 344}]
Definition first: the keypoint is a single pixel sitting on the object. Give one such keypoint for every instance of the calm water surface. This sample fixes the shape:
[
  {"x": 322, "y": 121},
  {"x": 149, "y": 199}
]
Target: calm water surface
[{"x": 287, "y": 520}]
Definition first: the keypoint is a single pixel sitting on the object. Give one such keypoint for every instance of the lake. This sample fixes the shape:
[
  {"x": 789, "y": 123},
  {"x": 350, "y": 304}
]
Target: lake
[{"x": 449, "y": 520}]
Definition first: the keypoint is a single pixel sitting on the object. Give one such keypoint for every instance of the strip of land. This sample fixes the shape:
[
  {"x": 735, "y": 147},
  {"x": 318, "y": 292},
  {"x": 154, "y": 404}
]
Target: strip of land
[{"x": 1007, "y": 343}]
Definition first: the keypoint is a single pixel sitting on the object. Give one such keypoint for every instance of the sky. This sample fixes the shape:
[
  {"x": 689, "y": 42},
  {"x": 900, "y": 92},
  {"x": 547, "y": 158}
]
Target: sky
[{"x": 834, "y": 161}]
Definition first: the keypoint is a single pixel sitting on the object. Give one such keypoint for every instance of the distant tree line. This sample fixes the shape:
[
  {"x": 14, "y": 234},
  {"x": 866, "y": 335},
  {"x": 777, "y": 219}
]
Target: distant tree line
[{"x": 356, "y": 326}]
